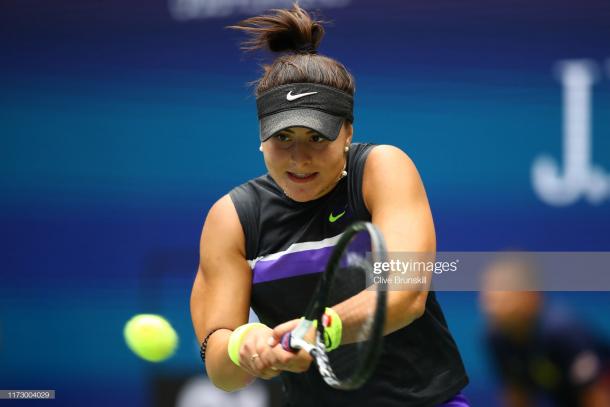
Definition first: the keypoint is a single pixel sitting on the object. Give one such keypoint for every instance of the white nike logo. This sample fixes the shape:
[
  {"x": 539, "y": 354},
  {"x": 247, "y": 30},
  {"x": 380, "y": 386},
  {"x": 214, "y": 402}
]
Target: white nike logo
[{"x": 290, "y": 97}]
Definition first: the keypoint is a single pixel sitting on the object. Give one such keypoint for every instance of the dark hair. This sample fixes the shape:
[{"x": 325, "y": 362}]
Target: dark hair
[{"x": 294, "y": 33}]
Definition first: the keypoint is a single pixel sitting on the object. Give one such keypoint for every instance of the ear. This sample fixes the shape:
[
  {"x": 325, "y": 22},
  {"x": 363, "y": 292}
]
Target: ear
[{"x": 349, "y": 131}]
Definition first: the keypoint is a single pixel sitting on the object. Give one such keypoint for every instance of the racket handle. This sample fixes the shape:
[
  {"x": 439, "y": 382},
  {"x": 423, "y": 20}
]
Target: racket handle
[{"x": 285, "y": 341}]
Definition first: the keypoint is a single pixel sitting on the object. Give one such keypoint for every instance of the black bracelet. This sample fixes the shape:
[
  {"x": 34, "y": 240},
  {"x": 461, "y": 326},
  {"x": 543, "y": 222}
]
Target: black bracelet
[{"x": 204, "y": 344}]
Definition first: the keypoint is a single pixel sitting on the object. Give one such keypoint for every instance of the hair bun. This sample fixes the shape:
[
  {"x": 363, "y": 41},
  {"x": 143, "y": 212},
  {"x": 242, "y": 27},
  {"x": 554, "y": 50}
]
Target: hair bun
[
  {"x": 306, "y": 49},
  {"x": 283, "y": 31}
]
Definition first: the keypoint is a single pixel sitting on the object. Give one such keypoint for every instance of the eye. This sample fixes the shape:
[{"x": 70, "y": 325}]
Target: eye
[
  {"x": 283, "y": 137},
  {"x": 317, "y": 138}
]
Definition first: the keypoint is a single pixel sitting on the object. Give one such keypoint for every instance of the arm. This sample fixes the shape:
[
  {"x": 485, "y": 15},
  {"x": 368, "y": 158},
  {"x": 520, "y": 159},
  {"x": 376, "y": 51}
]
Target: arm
[
  {"x": 395, "y": 197},
  {"x": 220, "y": 297}
]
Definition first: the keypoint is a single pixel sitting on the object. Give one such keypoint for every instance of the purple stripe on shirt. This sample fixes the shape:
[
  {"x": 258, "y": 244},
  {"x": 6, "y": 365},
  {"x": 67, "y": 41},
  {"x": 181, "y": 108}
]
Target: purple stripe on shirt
[
  {"x": 291, "y": 265},
  {"x": 456, "y": 401},
  {"x": 306, "y": 261}
]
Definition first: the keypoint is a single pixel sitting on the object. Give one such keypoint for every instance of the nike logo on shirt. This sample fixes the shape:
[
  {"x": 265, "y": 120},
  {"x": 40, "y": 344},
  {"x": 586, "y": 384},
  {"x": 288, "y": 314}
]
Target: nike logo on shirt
[{"x": 333, "y": 219}]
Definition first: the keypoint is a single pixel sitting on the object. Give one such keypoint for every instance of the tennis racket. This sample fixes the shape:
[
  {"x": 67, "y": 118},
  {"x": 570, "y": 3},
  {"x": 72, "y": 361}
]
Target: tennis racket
[{"x": 349, "y": 275}]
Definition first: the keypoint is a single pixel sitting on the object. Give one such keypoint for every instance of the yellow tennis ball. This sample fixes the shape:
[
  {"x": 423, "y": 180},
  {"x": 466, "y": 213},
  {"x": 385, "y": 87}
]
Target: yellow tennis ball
[{"x": 150, "y": 337}]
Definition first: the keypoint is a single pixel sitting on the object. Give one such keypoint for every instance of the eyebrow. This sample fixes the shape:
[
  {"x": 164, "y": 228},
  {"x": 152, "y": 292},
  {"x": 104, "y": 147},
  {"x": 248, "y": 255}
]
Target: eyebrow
[{"x": 309, "y": 131}]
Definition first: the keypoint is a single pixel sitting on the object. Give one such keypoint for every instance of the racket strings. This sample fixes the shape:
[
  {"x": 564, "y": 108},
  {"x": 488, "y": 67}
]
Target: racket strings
[{"x": 353, "y": 285}]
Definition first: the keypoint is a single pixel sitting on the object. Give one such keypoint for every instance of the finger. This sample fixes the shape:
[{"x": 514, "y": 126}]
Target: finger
[
  {"x": 286, "y": 327},
  {"x": 271, "y": 341},
  {"x": 261, "y": 351},
  {"x": 292, "y": 362},
  {"x": 295, "y": 366},
  {"x": 301, "y": 362},
  {"x": 271, "y": 369},
  {"x": 272, "y": 362},
  {"x": 304, "y": 359},
  {"x": 270, "y": 373},
  {"x": 250, "y": 359},
  {"x": 252, "y": 349},
  {"x": 277, "y": 357},
  {"x": 268, "y": 357},
  {"x": 258, "y": 366},
  {"x": 244, "y": 359}
]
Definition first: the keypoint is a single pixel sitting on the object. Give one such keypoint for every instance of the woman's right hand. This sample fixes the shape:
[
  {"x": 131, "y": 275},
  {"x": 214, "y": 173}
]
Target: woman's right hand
[
  {"x": 254, "y": 351},
  {"x": 296, "y": 362}
]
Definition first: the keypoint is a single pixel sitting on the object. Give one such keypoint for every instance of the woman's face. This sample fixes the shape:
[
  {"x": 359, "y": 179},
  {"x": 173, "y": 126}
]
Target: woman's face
[{"x": 305, "y": 164}]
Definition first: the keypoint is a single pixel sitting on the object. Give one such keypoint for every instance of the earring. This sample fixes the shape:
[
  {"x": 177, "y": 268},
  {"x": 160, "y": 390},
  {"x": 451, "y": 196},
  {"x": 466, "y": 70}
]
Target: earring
[
  {"x": 346, "y": 149},
  {"x": 344, "y": 171},
  {"x": 260, "y": 148}
]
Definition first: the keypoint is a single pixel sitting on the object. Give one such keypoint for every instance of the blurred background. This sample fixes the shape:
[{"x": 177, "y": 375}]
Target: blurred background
[{"x": 121, "y": 122}]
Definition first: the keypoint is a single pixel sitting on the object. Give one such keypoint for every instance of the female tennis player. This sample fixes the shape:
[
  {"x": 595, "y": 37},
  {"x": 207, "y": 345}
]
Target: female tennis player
[{"x": 318, "y": 182}]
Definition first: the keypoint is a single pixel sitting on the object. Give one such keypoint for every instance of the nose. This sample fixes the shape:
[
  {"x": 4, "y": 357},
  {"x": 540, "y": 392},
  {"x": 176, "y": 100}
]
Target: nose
[{"x": 300, "y": 154}]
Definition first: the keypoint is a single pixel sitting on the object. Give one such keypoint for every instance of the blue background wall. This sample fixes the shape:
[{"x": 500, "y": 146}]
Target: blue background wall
[{"x": 121, "y": 125}]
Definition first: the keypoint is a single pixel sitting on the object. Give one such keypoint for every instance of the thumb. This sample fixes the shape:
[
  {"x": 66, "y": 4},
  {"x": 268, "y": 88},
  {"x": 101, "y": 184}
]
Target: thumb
[{"x": 286, "y": 327}]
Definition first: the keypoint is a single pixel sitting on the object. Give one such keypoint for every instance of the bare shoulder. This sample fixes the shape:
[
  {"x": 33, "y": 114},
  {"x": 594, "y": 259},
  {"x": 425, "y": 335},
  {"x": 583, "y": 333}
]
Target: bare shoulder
[
  {"x": 390, "y": 172},
  {"x": 386, "y": 157},
  {"x": 222, "y": 228},
  {"x": 394, "y": 194}
]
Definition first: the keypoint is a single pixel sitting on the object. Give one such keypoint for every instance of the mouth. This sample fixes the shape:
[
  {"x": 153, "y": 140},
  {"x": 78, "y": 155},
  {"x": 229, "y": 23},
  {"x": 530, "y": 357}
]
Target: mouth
[{"x": 301, "y": 177}]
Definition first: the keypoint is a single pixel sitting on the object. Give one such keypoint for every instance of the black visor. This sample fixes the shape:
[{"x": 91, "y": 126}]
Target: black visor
[{"x": 317, "y": 107}]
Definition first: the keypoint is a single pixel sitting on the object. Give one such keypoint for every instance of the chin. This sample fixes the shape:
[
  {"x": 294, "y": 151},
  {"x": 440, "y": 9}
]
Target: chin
[{"x": 302, "y": 196}]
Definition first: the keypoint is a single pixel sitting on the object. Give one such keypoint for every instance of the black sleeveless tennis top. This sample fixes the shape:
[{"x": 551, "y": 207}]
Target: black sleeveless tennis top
[{"x": 287, "y": 245}]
